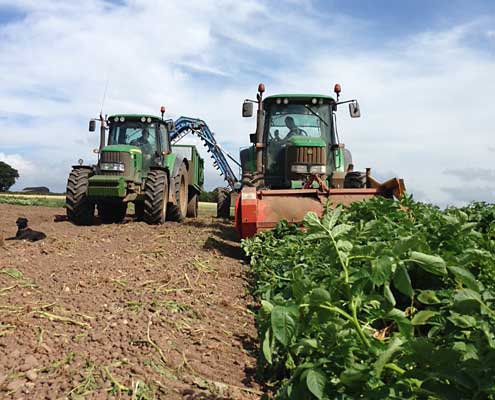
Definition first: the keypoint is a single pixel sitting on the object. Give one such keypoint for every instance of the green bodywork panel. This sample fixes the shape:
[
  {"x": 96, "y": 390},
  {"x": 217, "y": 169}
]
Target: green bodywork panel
[
  {"x": 169, "y": 161},
  {"x": 338, "y": 157},
  {"x": 248, "y": 159},
  {"x": 305, "y": 141},
  {"x": 107, "y": 186},
  {"x": 299, "y": 185},
  {"x": 296, "y": 184},
  {"x": 135, "y": 172}
]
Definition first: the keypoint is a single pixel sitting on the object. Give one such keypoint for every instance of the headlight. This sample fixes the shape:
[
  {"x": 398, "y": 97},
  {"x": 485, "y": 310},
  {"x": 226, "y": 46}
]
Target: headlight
[
  {"x": 112, "y": 167},
  {"x": 299, "y": 169},
  {"x": 318, "y": 169}
]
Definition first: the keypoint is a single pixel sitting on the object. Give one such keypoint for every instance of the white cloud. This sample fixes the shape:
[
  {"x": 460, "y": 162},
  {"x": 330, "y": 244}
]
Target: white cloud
[
  {"x": 18, "y": 162},
  {"x": 423, "y": 98}
]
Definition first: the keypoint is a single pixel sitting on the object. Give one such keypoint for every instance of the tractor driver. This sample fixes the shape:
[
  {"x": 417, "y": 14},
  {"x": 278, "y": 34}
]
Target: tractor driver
[
  {"x": 293, "y": 129},
  {"x": 143, "y": 140}
]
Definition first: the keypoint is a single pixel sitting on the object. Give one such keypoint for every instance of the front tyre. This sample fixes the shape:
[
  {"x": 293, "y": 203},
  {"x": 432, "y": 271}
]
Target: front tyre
[
  {"x": 80, "y": 209},
  {"x": 223, "y": 203},
  {"x": 155, "y": 197},
  {"x": 355, "y": 180}
]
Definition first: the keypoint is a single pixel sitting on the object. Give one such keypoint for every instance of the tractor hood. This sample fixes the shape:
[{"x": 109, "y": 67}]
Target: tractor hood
[
  {"x": 121, "y": 160},
  {"x": 122, "y": 147},
  {"x": 305, "y": 141}
]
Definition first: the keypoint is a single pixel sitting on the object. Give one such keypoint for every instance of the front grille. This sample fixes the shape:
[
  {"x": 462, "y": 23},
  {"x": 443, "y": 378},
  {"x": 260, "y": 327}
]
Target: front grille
[
  {"x": 307, "y": 155},
  {"x": 116, "y": 157}
]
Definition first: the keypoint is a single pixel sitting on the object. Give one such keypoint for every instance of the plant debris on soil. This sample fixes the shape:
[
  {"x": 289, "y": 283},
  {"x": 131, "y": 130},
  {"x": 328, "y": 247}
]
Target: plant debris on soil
[{"x": 124, "y": 311}]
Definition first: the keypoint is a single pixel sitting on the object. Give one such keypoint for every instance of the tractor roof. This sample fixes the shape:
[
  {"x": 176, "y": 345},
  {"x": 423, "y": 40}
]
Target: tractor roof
[
  {"x": 134, "y": 116},
  {"x": 302, "y": 96}
]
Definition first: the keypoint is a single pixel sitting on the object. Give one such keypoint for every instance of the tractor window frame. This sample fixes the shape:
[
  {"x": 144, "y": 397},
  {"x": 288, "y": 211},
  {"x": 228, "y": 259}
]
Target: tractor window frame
[{"x": 164, "y": 138}]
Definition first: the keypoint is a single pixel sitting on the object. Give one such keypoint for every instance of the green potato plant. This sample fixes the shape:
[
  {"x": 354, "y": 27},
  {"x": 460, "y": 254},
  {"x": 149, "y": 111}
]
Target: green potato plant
[{"x": 380, "y": 300}]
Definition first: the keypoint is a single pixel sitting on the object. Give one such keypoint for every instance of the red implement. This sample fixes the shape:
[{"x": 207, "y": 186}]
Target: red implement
[{"x": 261, "y": 210}]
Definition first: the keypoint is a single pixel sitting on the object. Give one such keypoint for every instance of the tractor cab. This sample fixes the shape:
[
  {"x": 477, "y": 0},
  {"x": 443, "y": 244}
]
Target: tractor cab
[
  {"x": 298, "y": 139},
  {"x": 137, "y": 142},
  {"x": 296, "y": 163}
]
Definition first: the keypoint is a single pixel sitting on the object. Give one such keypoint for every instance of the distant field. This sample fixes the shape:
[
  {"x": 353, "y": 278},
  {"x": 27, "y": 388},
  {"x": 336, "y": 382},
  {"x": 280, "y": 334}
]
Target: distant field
[
  {"x": 33, "y": 200},
  {"x": 205, "y": 209}
]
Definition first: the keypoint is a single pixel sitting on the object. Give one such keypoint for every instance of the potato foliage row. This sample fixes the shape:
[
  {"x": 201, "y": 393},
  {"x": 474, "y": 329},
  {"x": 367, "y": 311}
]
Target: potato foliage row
[{"x": 381, "y": 300}]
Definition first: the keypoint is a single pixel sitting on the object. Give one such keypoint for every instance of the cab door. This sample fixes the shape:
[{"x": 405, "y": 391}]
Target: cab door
[{"x": 164, "y": 143}]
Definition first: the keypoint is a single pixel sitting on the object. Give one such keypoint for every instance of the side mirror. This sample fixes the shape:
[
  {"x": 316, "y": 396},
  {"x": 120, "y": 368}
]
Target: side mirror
[
  {"x": 252, "y": 137},
  {"x": 92, "y": 125},
  {"x": 354, "y": 110},
  {"x": 247, "y": 109},
  {"x": 170, "y": 125}
]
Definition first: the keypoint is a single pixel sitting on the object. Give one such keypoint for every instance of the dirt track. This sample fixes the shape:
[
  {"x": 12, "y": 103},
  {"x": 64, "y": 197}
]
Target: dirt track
[{"x": 128, "y": 310}]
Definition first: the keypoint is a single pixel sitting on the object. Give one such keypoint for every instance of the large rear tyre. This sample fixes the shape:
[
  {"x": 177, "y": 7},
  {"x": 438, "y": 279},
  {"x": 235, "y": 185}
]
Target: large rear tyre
[
  {"x": 355, "y": 180},
  {"x": 155, "y": 197},
  {"x": 177, "y": 212},
  {"x": 80, "y": 209},
  {"x": 112, "y": 212},
  {"x": 223, "y": 203},
  {"x": 192, "y": 206}
]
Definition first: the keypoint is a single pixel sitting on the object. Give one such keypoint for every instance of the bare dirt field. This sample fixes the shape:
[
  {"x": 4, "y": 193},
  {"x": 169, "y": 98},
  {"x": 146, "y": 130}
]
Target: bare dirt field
[{"x": 124, "y": 311}]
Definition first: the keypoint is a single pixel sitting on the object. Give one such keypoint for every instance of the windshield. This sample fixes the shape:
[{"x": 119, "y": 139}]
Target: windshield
[
  {"x": 286, "y": 121},
  {"x": 136, "y": 133},
  {"x": 133, "y": 133},
  {"x": 283, "y": 121}
]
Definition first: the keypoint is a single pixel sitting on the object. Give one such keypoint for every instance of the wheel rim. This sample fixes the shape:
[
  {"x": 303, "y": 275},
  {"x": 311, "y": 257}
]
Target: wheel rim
[{"x": 182, "y": 195}]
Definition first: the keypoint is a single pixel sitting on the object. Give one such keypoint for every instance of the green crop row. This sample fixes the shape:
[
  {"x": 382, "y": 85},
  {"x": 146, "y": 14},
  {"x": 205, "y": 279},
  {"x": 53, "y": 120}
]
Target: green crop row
[{"x": 381, "y": 300}]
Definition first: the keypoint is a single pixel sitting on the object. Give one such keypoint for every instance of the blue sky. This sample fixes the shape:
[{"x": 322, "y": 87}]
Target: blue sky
[{"x": 422, "y": 70}]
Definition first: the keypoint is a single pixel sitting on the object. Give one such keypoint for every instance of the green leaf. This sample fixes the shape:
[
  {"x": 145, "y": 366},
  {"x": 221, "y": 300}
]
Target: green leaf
[
  {"x": 331, "y": 218},
  {"x": 266, "y": 306},
  {"x": 316, "y": 381},
  {"x": 422, "y": 317},
  {"x": 12, "y": 272},
  {"x": 404, "y": 323},
  {"x": 433, "y": 264},
  {"x": 283, "y": 325},
  {"x": 402, "y": 281},
  {"x": 428, "y": 297},
  {"x": 316, "y": 236},
  {"x": 312, "y": 343},
  {"x": 319, "y": 296},
  {"x": 311, "y": 220},
  {"x": 300, "y": 288},
  {"x": 341, "y": 229},
  {"x": 388, "y": 294},
  {"x": 354, "y": 375},
  {"x": 394, "y": 345},
  {"x": 465, "y": 277},
  {"x": 462, "y": 321},
  {"x": 467, "y": 301},
  {"x": 344, "y": 246},
  {"x": 381, "y": 270},
  {"x": 267, "y": 350}
]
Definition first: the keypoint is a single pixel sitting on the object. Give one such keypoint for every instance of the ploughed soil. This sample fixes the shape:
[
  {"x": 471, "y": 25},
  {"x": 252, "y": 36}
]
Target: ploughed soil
[{"x": 124, "y": 311}]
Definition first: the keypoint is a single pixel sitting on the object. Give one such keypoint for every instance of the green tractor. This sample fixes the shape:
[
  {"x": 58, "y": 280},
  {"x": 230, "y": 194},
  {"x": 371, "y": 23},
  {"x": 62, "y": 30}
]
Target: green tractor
[
  {"x": 298, "y": 164},
  {"x": 136, "y": 165}
]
